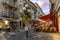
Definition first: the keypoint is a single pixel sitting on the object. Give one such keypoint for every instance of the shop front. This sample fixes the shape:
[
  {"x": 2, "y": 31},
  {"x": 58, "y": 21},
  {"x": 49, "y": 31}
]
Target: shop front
[
  {"x": 48, "y": 25},
  {"x": 4, "y": 24}
]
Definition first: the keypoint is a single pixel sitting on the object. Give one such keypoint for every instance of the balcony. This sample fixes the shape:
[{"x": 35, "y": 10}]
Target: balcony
[
  {"x": 8, "y": 14},
  {"x": 14, "y": 0},
  {"x": 9, "y": 6}
]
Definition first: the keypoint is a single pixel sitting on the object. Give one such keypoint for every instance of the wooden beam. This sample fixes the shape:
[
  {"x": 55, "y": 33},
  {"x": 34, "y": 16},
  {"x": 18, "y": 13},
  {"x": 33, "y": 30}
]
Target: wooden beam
[{"x": 56, "y": 12}]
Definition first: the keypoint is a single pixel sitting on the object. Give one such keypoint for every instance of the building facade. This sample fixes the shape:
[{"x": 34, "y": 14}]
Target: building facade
[
  {"x": 39, "y": 11},
  {"x": 55, "y": 4},
  {"x": 10, "y": 11}
]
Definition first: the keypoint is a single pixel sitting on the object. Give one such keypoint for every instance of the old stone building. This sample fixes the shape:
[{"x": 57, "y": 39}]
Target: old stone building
[{"x": 54, "y": 11}]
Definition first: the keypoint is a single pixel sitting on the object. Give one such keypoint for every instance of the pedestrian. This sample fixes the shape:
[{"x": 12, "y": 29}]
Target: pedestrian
[
  {"x": 26, "y": 30},
  {"x": 0, "y": 28},
  {"x": 8, "y": 29},
  {"x": 23, "y": 25}
]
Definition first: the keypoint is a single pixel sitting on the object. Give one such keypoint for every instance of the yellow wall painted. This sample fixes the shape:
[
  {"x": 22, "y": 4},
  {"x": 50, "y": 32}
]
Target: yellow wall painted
[{"x": 59, "y": 23}]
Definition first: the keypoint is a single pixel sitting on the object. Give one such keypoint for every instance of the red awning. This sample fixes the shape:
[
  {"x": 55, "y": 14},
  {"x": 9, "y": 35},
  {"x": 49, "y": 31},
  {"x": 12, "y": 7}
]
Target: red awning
[
  {"x": 34, "y": 21},
  {"x": 44, "y": 18}
]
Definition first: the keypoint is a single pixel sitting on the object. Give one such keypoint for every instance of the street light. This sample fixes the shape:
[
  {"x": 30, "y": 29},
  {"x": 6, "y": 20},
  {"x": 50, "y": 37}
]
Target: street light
[
  {"x": 26, "y": 5},
  {"x": 6, "y": 22},
  {"x": 24, "y": 8},
  {"x": 20, "y": 10},
  {"x": 28, "y": 10},
  {"x": 50, "y": 22}
]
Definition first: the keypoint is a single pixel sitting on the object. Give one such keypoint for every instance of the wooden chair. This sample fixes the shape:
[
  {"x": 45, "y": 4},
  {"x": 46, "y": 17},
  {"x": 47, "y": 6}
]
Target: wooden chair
[
  {"x": 43, "y": 28},
  {"x": 53, "y": 29},
  {"x": 46, "y": 29}
]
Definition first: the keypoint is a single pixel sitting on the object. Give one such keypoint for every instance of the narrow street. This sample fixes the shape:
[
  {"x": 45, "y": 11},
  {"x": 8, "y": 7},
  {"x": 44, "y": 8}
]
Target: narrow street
[
  {"x": 29, "y": 19},
  {"x": 32, "y": 36}
]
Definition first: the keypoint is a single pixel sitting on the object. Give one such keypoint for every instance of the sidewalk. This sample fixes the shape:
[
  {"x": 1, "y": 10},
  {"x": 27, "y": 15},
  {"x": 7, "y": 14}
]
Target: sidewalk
[{"x": 49, "y": 36}]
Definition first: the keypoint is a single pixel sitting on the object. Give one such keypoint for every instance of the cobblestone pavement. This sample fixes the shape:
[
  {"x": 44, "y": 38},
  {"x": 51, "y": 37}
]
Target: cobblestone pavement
[
  {"x": 32, "y": 36},
  {"x": 2, "y": 37},
  {"x": 48, "y": 36}
]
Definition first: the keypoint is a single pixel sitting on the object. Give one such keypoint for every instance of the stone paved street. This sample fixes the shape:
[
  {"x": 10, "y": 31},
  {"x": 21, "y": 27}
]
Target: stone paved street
[
  {"x": 32, "y": 36},
  {"x": 48, "y": 36}
]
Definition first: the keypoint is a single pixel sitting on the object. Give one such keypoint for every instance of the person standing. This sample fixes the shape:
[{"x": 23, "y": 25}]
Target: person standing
[{"x": 26, "y": 30}]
